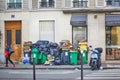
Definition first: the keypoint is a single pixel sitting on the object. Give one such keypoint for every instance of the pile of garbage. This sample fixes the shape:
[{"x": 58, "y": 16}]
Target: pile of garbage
[{"x": 47, "y": 53}]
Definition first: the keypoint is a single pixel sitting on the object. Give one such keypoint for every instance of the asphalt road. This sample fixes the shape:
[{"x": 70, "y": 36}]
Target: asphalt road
[{"x": 107, "y": 74}]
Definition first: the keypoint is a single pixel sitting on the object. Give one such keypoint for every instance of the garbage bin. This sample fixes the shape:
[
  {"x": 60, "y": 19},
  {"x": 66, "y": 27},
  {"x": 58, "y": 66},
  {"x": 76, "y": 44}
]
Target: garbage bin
[
  {"x": 83, "y": 46},
  {"x": 84, "y": 57},
  {"x": 65, "y": 57},
  {"x": 40, "y": 55},
  {"x": 73, "y": 57},
  {"x": 44, "y": 58},
  {"x": 35, "y": 54}
]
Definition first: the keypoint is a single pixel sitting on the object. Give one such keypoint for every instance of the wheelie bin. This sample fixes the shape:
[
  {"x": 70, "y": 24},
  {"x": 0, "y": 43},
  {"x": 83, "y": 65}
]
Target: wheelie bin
[
  {"x": 44, "y": 58},
  {"x": 83, "y": 47},
  {"x": 73, "y": 57},
  {"x": 84, "y": 57}
]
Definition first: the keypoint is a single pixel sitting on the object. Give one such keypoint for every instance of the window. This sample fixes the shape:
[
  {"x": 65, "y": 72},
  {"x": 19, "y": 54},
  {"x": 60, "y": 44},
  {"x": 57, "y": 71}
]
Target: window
[
  {"x": 115, "y": 3},
  {"x": 9, "y": 36},
  {"x": 46, "y": 3},
  {"x": 14, "y": 4},
  {"x": 18, "y": 36},
  {"x": 113, "y": 42},
  {"x": 100, "y": 3},
  {"x": 79, "y": 3},
  {"x": 79, "y": 34},
  {"x": 46, "y": 30}
]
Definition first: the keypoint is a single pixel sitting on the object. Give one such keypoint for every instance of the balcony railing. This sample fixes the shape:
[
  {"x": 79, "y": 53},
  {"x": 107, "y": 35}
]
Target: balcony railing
[
  {"x": 14, "y": 5},
  {"x": 79, "y": 4},
  {"x": 47, "y": 4},
  {"x": 113, "y": 3}
]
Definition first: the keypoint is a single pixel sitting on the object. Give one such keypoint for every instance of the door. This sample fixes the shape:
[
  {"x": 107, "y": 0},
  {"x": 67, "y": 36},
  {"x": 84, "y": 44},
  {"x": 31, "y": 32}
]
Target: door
[{"x": 13, "y": 37}]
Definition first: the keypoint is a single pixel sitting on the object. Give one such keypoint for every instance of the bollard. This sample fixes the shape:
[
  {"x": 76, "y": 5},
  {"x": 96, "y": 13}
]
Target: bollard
[
  {"x": 35, "y": 57},
  {"x": 34, "y": 77},
  {"x": 81, "y": 64},
  {"x": 81, "y": 52}
]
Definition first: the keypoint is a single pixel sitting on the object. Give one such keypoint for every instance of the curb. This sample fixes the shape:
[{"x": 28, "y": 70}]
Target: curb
[{"x": 55, "y": 67}]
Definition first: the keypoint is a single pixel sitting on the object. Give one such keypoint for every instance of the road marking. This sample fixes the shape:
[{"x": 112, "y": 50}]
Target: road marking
[
  {"x": 102, "y": 75},
  {"x": 50, "y": 72}
]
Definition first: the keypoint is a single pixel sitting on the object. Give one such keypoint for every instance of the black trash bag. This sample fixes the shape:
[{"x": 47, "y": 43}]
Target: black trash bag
[
  {"x": 57, "y": 61},
  {"x": 34, "y": 45},
  {"x": 42, "y": 42},
  {"x": 55, "y": 45}
]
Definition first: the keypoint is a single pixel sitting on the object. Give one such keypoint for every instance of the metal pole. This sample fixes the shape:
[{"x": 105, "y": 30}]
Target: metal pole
[
  {"x": 34, "y": 77},
  {"x": 81, "y": 52},
  {"x": 81, "y": 65}
]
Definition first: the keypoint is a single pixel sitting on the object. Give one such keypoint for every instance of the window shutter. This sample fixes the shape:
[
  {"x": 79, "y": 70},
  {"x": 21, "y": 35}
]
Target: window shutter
[
  {"x": 100, "y": 2},
  {"x": 58, "y": 3},
  {"x": 46, "y": 30},
  {"x": 35, "y": 4},
  {"x": 68, "y": 3}
]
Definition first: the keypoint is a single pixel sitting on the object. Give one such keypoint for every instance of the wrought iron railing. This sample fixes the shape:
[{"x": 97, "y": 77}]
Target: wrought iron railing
[
  {"x": 14, "y": 5},
  {"x": 113, "y": 3},
  {"x": 79, "y": 4},
  {"x": 47, "y": 4}
]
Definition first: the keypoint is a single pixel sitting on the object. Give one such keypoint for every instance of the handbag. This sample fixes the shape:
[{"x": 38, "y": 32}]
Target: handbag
[{"x": 11, "y": 51}]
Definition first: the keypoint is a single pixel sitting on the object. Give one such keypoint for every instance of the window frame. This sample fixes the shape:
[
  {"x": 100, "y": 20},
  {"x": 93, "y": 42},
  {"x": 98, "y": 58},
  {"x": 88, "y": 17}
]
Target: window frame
[
  {"x": 79, "y": 6},
  {"x": 85, "y": 36},
  {"x": 100, "y": 6},
  {"x": 113, "y": 3},
  {"x": 47, "y": 5},
  {"x": 7, "y": 1},
  {"x": 53, "y": 29}
]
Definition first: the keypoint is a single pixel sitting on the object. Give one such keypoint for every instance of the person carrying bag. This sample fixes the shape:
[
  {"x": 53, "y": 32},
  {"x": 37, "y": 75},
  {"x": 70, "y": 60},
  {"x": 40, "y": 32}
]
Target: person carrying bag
[{"x": 8, "y": 52}]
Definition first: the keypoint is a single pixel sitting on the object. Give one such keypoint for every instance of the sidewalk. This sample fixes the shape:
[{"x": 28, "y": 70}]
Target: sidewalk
[{"x": 58, "y": 67}]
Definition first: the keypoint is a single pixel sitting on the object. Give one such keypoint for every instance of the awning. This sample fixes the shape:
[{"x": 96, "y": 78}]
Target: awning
[
  {"x": 78, "y": 20},
  {"x": 112, "y": 20}
]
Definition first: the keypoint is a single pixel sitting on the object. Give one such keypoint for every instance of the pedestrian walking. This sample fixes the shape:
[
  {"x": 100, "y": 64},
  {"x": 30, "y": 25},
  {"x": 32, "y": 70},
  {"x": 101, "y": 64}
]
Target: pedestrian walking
[{"x": 8, "y": 52}]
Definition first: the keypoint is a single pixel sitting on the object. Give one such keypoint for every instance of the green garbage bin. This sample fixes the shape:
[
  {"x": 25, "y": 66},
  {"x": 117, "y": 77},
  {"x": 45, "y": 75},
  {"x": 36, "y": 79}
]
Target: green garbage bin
[
  {"x": 83, "y": 47},
  {"x": 73, "y": 57},
  {"x": 35, "y": 54},
  {"x": 40, "y": 55},
  {"x": 84, "y": 57},
  {"x": 44, "y": 58}
]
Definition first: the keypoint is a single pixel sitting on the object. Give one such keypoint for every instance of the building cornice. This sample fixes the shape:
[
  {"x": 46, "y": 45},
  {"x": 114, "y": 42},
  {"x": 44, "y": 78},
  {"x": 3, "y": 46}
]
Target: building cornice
[{"x": 86, "y": 10}]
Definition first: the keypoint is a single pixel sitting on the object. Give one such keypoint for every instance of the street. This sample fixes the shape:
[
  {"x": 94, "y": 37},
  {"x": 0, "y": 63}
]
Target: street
[{"x": 106, "y": 74}]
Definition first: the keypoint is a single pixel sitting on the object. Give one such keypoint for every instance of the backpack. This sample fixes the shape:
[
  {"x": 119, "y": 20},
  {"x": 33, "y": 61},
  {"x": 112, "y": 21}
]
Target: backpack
[{"x": 10, "y": 51}]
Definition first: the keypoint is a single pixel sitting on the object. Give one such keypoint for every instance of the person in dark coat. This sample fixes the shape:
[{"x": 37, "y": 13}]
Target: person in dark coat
[{"x": 8, "y": 54}]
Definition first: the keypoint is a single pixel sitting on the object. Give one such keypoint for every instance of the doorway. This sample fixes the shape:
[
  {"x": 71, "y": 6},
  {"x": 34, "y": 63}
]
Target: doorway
[
  {"x": 78, "y": 34},
  {"x": 13, "y": 37}
]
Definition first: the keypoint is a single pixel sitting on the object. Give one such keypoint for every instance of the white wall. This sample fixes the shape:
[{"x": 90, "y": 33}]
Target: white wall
[
  {"x": 63, "y": 29},
  {"x": 62, "y": 24},
  {"x": 96, "y": 32}
]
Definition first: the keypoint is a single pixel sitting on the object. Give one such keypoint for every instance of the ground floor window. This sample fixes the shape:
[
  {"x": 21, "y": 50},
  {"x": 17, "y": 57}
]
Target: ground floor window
[
  {"x": 79, "y": 34},
  {"x": 46, "y": 30},
  {"x": 113, "y": 42}
]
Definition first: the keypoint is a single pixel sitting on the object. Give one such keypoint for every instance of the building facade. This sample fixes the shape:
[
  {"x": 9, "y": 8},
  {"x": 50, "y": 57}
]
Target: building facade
[{"x": 95, "y": 21}]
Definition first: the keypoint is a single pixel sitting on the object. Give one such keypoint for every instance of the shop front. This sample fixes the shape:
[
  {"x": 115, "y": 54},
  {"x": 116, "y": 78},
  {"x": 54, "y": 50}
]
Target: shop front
[
  {"x": 112, "y": 37},
  {"x": 79, "y": 32},
  {"x": 79, "y": 29}
]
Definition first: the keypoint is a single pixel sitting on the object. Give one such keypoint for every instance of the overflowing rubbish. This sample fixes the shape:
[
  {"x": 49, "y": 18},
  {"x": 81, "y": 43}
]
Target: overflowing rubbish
[{"x": 50, "y": 53}]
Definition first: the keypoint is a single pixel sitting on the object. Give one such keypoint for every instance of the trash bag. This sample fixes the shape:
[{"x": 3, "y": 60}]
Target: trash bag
[{"x": 57, "y": 61}]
